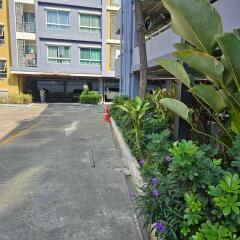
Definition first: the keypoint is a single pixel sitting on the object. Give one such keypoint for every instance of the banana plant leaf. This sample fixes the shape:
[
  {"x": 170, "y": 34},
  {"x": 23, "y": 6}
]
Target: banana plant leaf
[
  {"x": 182, "y": 46},
  {"x": 197, "y": 22},
  {"x": 230, "y": 45},
  {"x": 178, "y": 108},
  {"x": 212, "y": 97},
  {"x": 176, "y": 69},
  {"x": 202, "y": 62}
]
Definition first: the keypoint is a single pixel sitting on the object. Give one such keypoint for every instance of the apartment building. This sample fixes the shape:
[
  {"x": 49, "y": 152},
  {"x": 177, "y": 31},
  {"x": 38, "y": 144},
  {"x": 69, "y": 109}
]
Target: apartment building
[
  {"x": 60, "y": 45},
  {"x": 8, "y": 81},
  {"x": 159, "y": 41}
]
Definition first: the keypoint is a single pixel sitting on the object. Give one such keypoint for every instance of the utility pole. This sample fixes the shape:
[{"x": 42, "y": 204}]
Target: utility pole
[{"x": 142, "y": 47}]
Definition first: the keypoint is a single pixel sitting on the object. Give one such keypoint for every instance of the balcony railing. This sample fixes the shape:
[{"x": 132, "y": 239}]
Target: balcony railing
[
  {"x": 29, "y": 27},
  {"x": 30, "y": 60}
]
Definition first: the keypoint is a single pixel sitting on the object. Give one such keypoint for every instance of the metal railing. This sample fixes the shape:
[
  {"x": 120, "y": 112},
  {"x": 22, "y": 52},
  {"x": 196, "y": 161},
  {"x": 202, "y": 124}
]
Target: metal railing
[
  {"x": 30, "y": 60},
  {"x": 29, "y": 27}
]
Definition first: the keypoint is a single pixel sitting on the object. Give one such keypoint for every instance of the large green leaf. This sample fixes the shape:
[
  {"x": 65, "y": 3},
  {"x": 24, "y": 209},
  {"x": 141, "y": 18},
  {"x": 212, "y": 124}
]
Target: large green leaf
[
  {"x": 212, "y": 97},
  {"x": 178, "y": 108},
  {"x": 197, "y": 22},
  {"x": 230, "y": 45},
  {"x": 176, "y": 69},
  {"x": 202, "y": 62},
  {"x": 182, "y": 46}
]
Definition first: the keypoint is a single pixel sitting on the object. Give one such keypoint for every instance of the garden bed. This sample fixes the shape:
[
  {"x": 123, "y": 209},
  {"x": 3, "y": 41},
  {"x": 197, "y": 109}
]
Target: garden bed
[{"x": 180, "y": 185}]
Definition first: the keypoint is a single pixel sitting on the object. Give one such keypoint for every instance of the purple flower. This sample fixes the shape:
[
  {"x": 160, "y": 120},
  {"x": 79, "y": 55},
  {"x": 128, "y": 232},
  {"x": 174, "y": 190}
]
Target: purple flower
[
  {"x": 154, "y": 181},
  {"x": 160, "y": 227},
  {"x": 168, "y": 158},
  {"x": 155, "y": 193},
  {"x": 131, "y": 196},
  {"x": 141, "y": 162}
]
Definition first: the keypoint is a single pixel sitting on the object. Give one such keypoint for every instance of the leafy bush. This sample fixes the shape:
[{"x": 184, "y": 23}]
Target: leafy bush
[
  {"x": 16, "y": 99},
  {"x": 221, "y": 219},
  {"x": 88, "y": 97},
  {"x": 234, "y": 152},
  {"x": 189, "y": 169}
]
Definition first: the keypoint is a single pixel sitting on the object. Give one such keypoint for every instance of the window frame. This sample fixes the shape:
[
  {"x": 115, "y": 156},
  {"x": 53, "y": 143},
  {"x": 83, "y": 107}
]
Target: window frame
[
  {"x": 90, "y": 27},
  {"x": 61, "y": 59},
  {"x": 90, "y": 60},
  {"x": 3, "y": 73},
  {"x": 2, "y": 38},
  {"x": 58, "y": 25}
]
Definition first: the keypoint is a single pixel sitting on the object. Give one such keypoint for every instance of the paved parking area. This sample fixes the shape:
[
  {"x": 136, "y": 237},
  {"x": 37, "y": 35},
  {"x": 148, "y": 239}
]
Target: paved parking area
[
  {"x": 13, "y": 116},
  {"x": 60, "y": 178}
]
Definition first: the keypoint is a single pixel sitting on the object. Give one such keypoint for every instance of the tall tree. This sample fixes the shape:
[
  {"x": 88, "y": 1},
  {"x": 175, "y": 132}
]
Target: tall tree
[{"x": 142, "y": 47}]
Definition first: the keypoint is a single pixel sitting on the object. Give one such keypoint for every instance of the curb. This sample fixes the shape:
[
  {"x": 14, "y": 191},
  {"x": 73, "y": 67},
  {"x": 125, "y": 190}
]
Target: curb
[
  {"x": 131, "y": 163},
  {"x": 17, "y": 105}
]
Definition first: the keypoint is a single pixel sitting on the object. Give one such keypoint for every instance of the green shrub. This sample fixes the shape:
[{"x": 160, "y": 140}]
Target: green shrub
[
  {"x": 188, "y": 168},
  {"x": 88, "y": 97},
  {"x": 16, "y": 99}
]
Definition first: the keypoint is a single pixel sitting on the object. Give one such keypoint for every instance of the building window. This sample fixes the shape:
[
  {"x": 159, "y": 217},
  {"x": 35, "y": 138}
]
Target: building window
[
  {"x": 1, "y": 34},
  {"x": 89, "y": 23},
  {"x": 91, "y": 56},
  {"x": 1, "y": 4},
  {"x": 3, "y": 68},
  {"x": 58, "y": 54},
  {"x": 29, "y": 22},
  {"x": 116, "y": 3},
  {"x": 58, "y": 20},
  {"x": 113, "y": 23}
]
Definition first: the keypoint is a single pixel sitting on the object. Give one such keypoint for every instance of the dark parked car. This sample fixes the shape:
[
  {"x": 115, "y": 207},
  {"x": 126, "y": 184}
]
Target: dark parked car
[{"x": 76, "y": 94}]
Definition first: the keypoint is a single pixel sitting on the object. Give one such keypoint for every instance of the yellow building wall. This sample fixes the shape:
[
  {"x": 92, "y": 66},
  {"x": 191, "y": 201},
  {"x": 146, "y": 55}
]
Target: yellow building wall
[
  {"x": 108, "y": 37},
  {"x": 11, "y": 82}
]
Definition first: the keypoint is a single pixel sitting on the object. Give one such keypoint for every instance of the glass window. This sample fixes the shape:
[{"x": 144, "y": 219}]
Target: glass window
[
  {"x": 3, "y": 68},
  {"x": 116, "y": 3},
  {"x": 58, "y": 20},
  {"x": 90, "y": 23},
  {"x": 1, "y": 34},
  {"x": 0, "y": 3},
  {"x": 58, "y": 54},
  {"x": 29, "y": 22},
  {"x": 90, "y": 56}
]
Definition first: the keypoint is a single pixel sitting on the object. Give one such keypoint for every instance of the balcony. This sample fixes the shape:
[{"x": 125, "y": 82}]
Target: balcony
[
  {"x": 29, "y": 27},
  {"x": 25, "y": 18},
  {"x": 115, "y": 3},
  {"x": 27, "y": 56}
]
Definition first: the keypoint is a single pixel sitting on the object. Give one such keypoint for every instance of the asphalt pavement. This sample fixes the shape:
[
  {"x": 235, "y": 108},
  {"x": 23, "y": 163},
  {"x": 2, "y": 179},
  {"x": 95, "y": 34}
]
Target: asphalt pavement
[{"x": 60, "y": 179}]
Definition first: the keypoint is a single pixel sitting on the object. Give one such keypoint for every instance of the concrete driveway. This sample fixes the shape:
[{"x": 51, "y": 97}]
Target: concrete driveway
[{"x": 59, "y": 179}]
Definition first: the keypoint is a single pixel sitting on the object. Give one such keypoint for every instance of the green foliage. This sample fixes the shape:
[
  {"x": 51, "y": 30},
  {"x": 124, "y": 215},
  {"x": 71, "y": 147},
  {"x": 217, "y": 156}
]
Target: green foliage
[
  {"x": 136, "y": 110},
  {"x": 88, "y": 97},
  {"x": 234, "y": 152},
  {"x": 219, "y": 219},
  {"x": 205, "y": 35},
  {"x": 16, "y": 99},
  {"x": 191, "y": 170},
  {"x": 214, "y": 231},
  {"x": 119, "y": 100}
]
